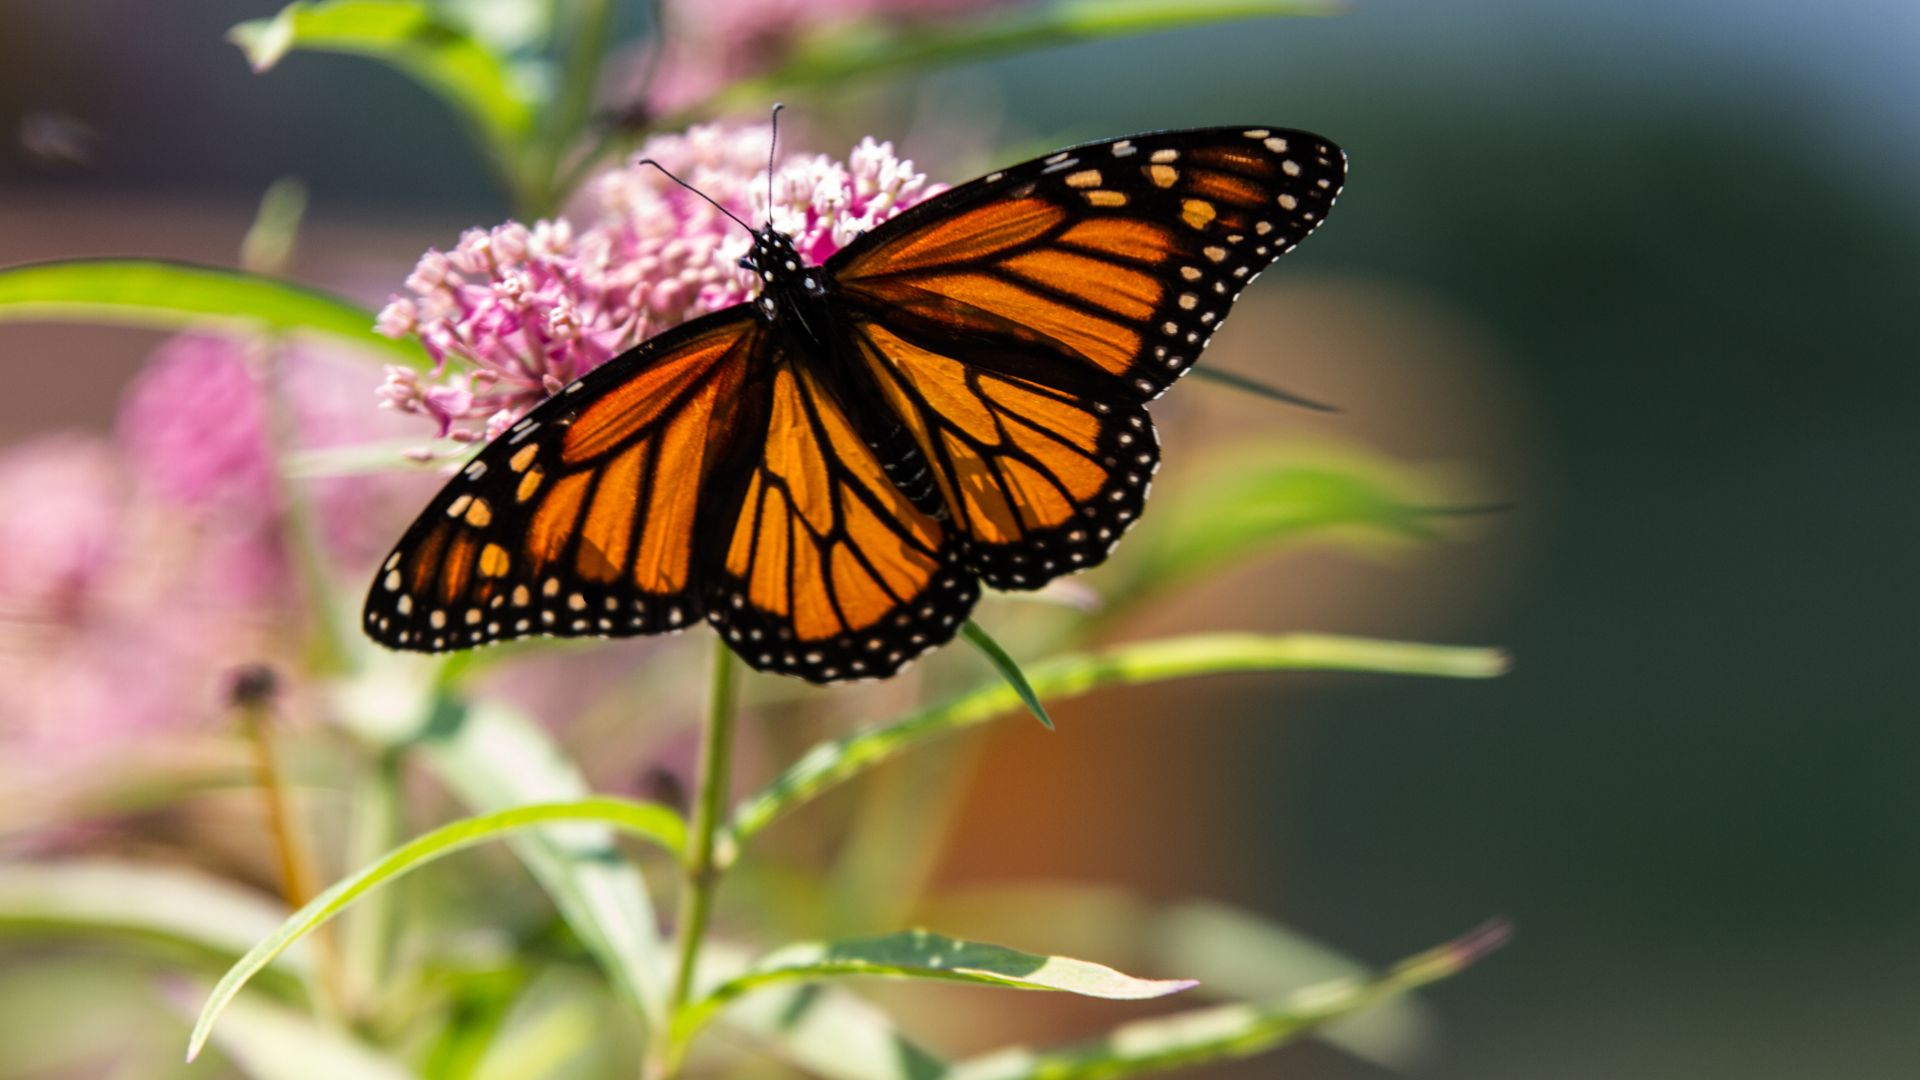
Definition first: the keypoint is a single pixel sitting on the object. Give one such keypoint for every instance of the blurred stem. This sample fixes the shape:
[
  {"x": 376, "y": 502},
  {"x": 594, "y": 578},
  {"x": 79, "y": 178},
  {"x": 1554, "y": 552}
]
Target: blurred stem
[
  {"x": 376, "y": 830},
  {"x": 701, "y": 870},
  {"x": 327, "y": 649},
  {"x": 268, "y": 245},
  {"x": 253, "y": 708},
  {"x": 905, "y": 820},
  {"x": 625, "y": 131},
  {"x": 592, "y": 21}
]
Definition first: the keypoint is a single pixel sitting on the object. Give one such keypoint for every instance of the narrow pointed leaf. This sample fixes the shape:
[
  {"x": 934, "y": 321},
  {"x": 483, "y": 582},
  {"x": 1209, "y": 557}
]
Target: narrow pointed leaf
[
  {"x": 1237, "y": 955},
  {"x": 837, "y": 760},
  {"x": 827, "y": 1031},
  {"x": 176, "y": 295},
  {"x": 273, "y": 1042},
  {"x": 1228, "y": 1032},
  {"x": 1254, "y": 386},
  {"x": 919, "y": 954},
  {"x": 1008, "y": 670},
  {"x": 168, "y": 904},
  {"x": 493, "y": 757},
  {"x": 651, "y": 821},
  {"x": 1268, "y": 497}
]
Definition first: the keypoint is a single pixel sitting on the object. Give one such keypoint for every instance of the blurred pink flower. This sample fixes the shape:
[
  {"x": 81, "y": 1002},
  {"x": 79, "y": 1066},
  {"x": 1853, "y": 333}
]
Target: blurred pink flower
[
  {"x": 530, "y": 309},
  {"x": 195, "y": 425},
  {"x": 711, "y": 43},
  {"x": 58, "y": 552},
  {"x": 108, "y": 626},
  {"x": 194, "y": 422},
  {"x": 149, "y": 566}
]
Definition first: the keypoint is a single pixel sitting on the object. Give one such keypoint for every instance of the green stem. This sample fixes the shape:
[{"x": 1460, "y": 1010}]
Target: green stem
[
  {"x": 586, "y": 48},
  {"x": 701, "y": 868},
  {"x": 329, "y": 650},
  {"x": 368, "y": 935},
  {"x": 255, "y": 714}
]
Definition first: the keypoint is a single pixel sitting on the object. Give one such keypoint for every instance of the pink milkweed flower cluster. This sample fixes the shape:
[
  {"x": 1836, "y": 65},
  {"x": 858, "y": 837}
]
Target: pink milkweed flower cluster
[
  {"x": 528, "y": 309},
  {"x": 712, "y": 43}
]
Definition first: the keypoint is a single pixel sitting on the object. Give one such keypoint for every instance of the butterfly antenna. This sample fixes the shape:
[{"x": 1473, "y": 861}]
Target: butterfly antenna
[
  {"x": 773, "y": 145},
  {"x": 695, "y": 190}
]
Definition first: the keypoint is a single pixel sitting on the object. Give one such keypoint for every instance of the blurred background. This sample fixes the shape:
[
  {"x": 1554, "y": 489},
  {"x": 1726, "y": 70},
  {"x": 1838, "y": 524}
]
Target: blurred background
[{"x": 1644, "y": 271}]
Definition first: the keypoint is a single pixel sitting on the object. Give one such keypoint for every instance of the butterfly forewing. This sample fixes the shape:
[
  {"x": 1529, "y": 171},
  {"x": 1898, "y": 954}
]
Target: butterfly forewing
[
  {"x": 825, "y": 569},
  {"x": 1125, "y": 254},
  {"x": 1017, "y": 323},
  {"x": 583, "y": 518}
]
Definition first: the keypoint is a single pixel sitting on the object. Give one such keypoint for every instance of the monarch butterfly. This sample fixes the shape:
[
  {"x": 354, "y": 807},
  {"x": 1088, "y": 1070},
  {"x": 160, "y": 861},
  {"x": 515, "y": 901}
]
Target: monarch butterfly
[{"x": 828, "y": 472}]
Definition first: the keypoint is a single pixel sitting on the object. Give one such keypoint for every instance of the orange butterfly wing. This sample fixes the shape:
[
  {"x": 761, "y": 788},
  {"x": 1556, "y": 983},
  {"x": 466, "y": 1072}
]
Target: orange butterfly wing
[
  {"x": 1018, "y": 324},
  {"x": 978, "y": 409},
  {"x": 585, "y": 517},
  {"x": 824, "y": 569}
]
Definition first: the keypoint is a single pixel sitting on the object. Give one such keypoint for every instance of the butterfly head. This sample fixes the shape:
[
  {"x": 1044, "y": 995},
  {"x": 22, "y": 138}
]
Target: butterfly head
[{"x": 784, "y": 272}]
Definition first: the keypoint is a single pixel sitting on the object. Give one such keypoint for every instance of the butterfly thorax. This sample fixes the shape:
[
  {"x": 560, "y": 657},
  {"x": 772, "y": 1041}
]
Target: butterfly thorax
[
  {"x": 796, "y": 299},
  {"x": 793, "y": 292}
]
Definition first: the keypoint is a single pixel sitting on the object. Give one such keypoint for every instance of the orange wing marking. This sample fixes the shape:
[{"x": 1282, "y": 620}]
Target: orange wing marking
[
  {"x": 609, "y": 525},
  {"x": 552, "y": 524},
  {"x": 634, "y": 404},
  {"x": 1108, "y": 344},
  {"x": 1122, "y": 290},
  {"x": 971, "y": 234},
  {"x": 1128, "y": 238}
]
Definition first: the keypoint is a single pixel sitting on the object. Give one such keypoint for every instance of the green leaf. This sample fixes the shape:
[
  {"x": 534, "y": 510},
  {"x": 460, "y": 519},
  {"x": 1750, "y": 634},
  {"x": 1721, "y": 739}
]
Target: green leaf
[
  {"x": 1266, "y": 497},
  {"x": 1244, "y": 957},
  {"x": 1237, "y": 955},
  {"x": 1008, "y": 670},
  {"x": 837, "y": 56},
  {"x": 412, "y": 37},
  {"x": 272, "y": 1042},
  {"x": 1228, "y": 1032},
  {"x": 919, "y": 954},
  {"x": 174, "y": 295},
  {"x": 166, "y": 904},
  {"x": 492, "y": 757},
  {"x": 648, "y": 820},
  {"x": 555, "y": 1028},
  {"x": 837, "y": 760},
  {"x": 72, "y": 1013},
  {"x": 825, "y": 1030}
]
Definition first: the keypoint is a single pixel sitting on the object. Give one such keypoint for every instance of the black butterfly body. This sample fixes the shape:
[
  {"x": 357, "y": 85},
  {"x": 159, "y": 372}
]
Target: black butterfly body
[{"x": 827, "y": 472}]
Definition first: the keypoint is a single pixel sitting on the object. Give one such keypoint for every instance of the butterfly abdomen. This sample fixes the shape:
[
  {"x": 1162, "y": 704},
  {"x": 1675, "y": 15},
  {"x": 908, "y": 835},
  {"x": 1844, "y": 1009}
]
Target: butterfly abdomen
[{"x": 910, "y": 472}]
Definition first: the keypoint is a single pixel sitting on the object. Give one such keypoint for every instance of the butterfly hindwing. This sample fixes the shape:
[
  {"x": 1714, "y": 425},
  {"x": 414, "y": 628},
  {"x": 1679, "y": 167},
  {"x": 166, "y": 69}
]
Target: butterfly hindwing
[
  {"x": 824, "y": 569},
  {"x": 1018, "y": 323},
  {"x": 1040, "y": 481},
  {"x": 582, "y": 519}
]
